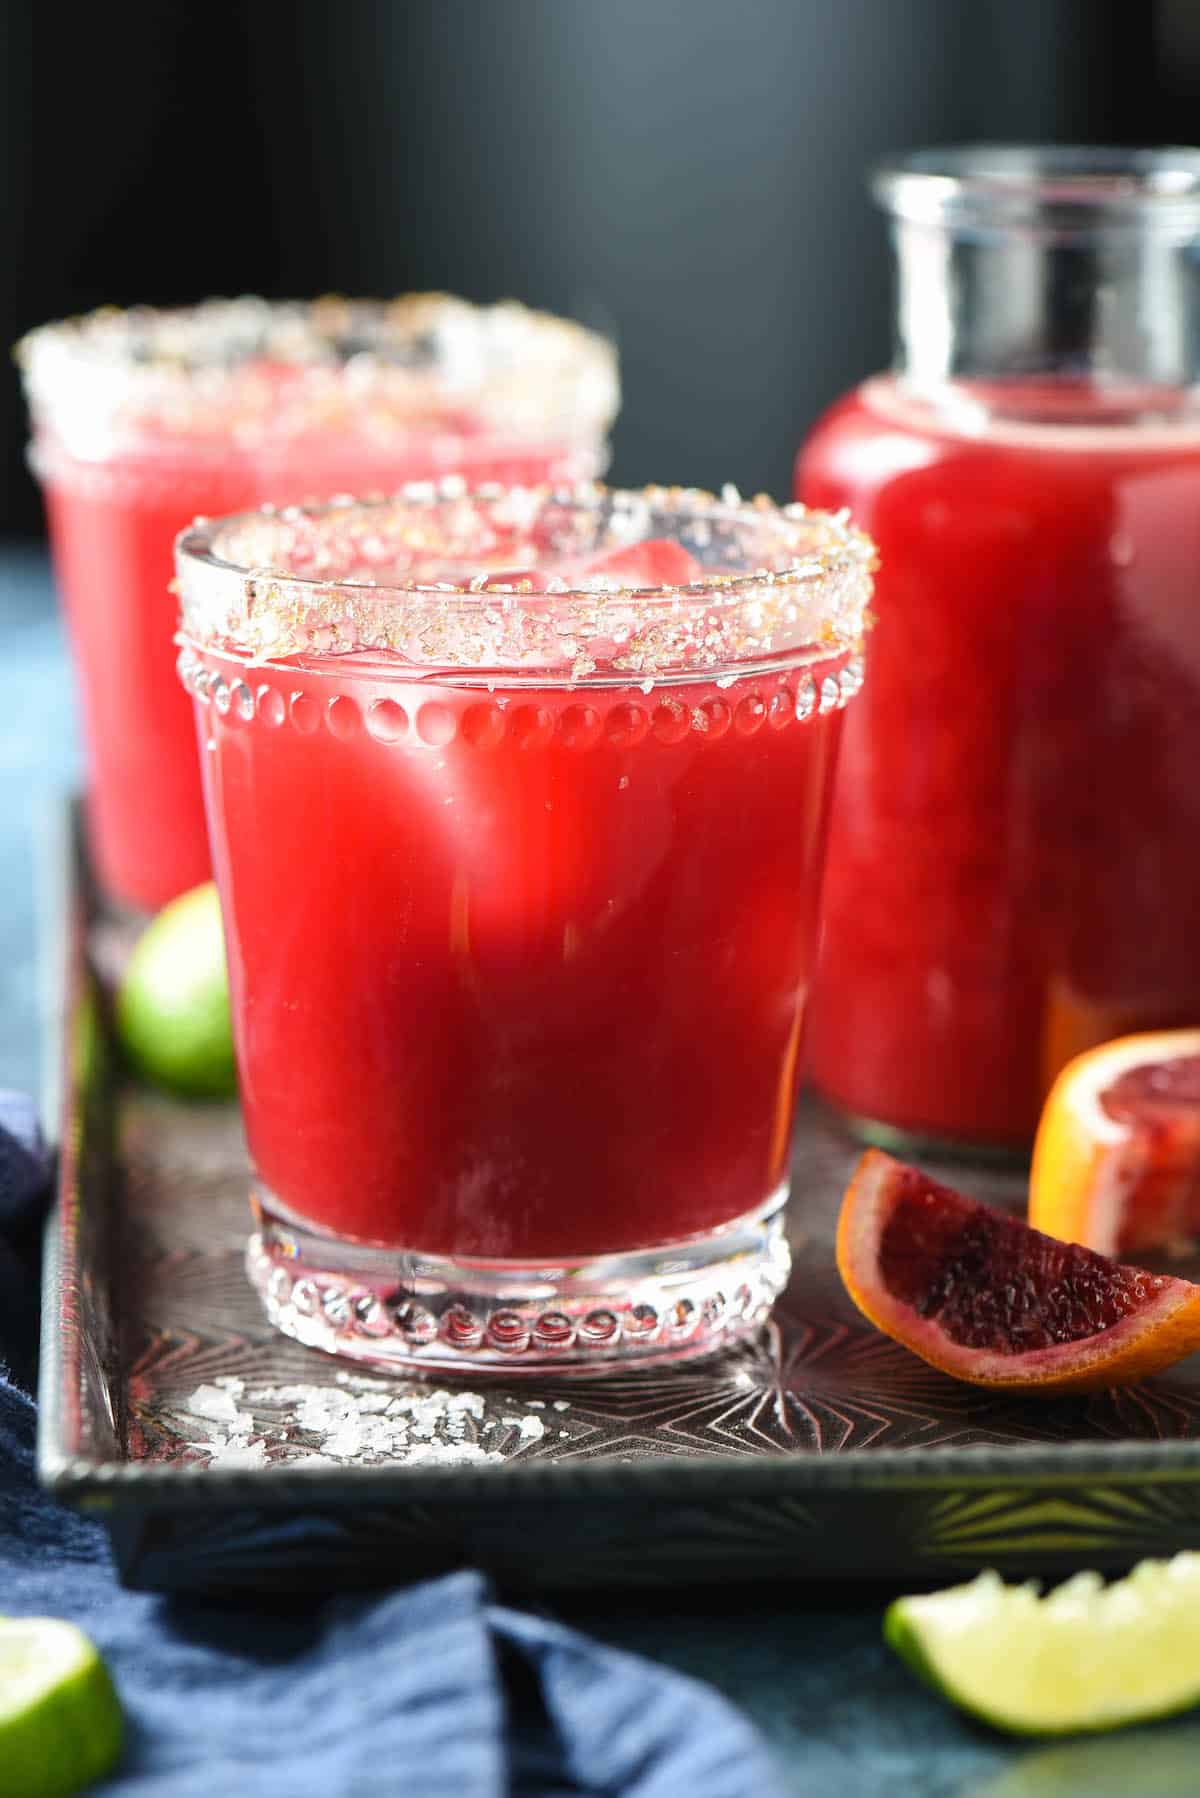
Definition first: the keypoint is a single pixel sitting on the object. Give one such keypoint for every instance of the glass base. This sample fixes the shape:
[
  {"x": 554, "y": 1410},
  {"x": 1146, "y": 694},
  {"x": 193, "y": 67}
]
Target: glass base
[{"x": 391, "y": 1308}]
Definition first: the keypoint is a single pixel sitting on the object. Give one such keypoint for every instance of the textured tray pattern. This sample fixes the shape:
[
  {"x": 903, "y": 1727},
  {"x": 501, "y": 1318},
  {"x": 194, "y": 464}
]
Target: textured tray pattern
[{"x": 224, "y": 1456}]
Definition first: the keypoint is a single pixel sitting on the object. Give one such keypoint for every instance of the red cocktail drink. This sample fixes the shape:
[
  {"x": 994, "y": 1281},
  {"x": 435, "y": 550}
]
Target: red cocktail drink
[
  {"x": 1014, "y": 863},
  {"x": 146, "y": 420},
  {"x": 520, "y": 882}
]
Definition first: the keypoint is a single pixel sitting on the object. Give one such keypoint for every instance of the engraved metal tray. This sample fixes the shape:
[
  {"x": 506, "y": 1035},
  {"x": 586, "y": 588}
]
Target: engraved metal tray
[{"x": 819, "y": 1449}]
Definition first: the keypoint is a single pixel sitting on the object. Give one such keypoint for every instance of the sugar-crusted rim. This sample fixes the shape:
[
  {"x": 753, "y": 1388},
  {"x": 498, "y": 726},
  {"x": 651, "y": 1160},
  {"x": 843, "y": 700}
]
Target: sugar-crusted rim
[
  {"x": 100, "y": 381},
  {"x": 802, "y": 587}
]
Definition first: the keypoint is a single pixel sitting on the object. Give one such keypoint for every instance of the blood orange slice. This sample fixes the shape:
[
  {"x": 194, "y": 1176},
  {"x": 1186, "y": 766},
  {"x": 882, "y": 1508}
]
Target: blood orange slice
[
  {"x": 992, "y": 1301},
  {"x": 1116, "y": 1164}
]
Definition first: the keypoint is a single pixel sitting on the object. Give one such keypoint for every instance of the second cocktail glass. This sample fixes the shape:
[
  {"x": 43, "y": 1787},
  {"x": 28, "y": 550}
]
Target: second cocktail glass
[
  {"x": 143, "y": 419},
  {"x": 518, "y": 804}
]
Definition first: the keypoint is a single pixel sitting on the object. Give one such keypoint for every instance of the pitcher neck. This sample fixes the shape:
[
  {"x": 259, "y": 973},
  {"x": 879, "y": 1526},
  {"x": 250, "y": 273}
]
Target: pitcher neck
[{"x": 1026, "y": 271}]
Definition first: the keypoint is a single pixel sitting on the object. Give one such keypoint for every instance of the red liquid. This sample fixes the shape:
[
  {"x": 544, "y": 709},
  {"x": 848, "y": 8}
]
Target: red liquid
[
  {"x": 516, "y": 975},
  {"x": 112, "y": 527},
  {"x": 1014, "y": 866}
]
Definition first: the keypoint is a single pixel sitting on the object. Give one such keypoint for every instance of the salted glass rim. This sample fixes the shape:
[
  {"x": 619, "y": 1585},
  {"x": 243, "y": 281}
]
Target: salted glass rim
[
  {"x": 821, "y": 539},
  {"x": 1099, "y": 183},
  {"x": 811, "y": 592},
  {"x": 191, "y": 372},
  {"x": 221, "y": 332}
]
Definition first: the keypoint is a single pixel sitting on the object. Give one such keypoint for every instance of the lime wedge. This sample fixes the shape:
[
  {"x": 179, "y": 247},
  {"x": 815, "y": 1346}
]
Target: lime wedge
[
  {"x": 60, "y": 1722},
  {"x": 1087, "y": 1656},
  {"x": 173, "y": 1005}
]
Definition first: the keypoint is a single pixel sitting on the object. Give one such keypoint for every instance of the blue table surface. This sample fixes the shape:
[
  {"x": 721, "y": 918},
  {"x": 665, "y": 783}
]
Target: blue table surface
[{"x": 806, "y": 1662}]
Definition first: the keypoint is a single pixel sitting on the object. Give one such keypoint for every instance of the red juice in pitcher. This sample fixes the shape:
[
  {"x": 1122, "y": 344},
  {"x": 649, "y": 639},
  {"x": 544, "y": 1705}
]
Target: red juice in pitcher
[
  {"x": 518, "y": 814},
  {"x": 1014, "y": 864},
  {"x": 145, "y": 420}
]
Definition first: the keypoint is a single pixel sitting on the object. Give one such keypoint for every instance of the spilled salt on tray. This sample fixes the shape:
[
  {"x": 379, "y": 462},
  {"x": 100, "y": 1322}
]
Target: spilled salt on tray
[{"x": 240, "y": 1426}]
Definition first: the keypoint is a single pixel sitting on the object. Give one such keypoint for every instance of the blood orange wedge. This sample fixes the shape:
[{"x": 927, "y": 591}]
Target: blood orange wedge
[
  {"x": 992, "y": 1301},
  {"x": 1116, "y": 1164}
]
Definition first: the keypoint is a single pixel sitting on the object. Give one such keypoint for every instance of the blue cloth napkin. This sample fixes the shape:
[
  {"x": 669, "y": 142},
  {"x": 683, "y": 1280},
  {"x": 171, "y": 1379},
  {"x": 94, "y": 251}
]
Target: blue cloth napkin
[{"x": 437, "y": 1688}]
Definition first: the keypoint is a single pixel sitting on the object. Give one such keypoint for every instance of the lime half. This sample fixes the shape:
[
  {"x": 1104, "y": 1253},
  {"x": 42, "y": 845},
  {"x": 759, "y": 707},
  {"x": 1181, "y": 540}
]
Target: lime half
[
  {"x": 60, "y": 1722},
  {"x": 173, "y": 1006},
  {"x": 1087, "y": 1656}
]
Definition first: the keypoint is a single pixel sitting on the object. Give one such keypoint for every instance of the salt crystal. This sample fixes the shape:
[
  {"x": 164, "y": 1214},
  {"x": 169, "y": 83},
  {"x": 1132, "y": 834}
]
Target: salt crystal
[
  {"x": 346, "y": 1441},
  {"x": 212, "y": 1402},
  {"x": 532, "y": 1428},
  {"x": 241, "y": 1456},
  {"x": 562, "y": 1404}
]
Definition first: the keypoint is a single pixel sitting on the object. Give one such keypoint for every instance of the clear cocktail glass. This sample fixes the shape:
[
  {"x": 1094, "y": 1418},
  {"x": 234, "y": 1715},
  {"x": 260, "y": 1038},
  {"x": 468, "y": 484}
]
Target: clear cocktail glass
[{"x": 518, "y": 803}]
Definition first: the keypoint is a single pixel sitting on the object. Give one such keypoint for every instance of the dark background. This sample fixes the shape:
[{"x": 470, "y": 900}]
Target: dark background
[{"x": 687, "y": 173}]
